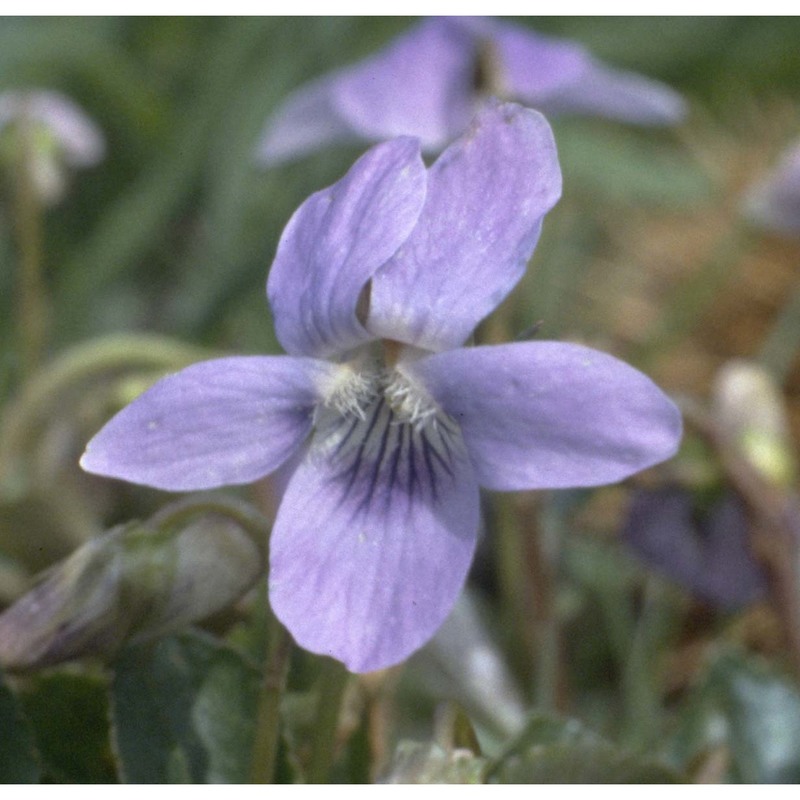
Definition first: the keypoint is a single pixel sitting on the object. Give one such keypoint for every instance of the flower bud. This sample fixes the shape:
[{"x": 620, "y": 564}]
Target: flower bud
[
  {"x": 135, "y": 582},
  {"x": 49, "y": 133},
  {"x": 751, "y": 414}
]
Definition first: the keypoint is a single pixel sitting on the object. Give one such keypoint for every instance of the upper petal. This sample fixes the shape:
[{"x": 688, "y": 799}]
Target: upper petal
[
  {"x": 226, "y": 421},
  {"x": 487, "y": 195},
  {"x": 305, "y": 121},
  {"x": 334, "y": 243},
  {"x": 373, "y": 539},
  {"x": 532, "y": 67},
  {"x": 420, "y": 85},
  {"x": 547, "y": 415}
]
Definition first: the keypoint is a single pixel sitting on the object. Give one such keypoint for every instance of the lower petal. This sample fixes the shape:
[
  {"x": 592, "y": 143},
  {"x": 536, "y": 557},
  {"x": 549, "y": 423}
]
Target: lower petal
[
  {"x": 216, "y": 423},
  {"x": 548, "y": 415},
  {"x": 374, "y": 539}
]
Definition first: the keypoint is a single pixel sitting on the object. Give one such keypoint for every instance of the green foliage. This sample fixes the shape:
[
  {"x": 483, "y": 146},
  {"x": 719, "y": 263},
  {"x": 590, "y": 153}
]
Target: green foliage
[
  {"x": 183, "y": 712},
  {"x": 752, "y": 712},
  {"x": 553, "y": 750},
  {"x": 19, "y": 761},
  {"x": 625, "y": 166},
  {"x": 69, "y": 715}
]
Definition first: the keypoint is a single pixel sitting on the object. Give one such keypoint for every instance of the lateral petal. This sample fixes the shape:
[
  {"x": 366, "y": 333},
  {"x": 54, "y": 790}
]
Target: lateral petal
[
  {"x": 220, "y": 422},
  {"x": 558, "y": 75},
  {"x": 373, "y": 540},
  {"x": 618, "y": 94},
  {"x": 548, "y": 415},
  {"x": 334, "y": 243},
  {"x": 304, "y": 122},
  {"x": 487, "y": 195}
]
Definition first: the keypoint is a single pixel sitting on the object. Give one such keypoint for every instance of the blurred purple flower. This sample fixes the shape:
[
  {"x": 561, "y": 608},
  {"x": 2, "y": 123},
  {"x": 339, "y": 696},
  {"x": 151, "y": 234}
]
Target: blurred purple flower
[
  {"x": 430, "y": 81},
  {"x": 710, "y": 556},
  {"x": 775, "y": 201},
  {"x": 389, "y": 424},
  {"x": 48, "y": 134},
  {"x": 76, "y": 137}
]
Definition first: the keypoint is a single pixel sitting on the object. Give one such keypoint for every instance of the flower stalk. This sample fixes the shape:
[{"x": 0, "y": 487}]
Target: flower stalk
[
  {"x": 268, "y": 717},
  {"x": 31, "y": 302},
  {"x": 332, "y": 684}
]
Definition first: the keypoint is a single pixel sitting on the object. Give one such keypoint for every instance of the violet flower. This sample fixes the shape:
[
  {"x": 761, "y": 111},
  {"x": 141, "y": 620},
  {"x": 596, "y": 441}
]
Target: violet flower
[
  {"x": 775, "y": 201},
  {"x": 389, "y": 423},
  {"x": 430, "y": 80},
  {"x": 710, "y": 555}
]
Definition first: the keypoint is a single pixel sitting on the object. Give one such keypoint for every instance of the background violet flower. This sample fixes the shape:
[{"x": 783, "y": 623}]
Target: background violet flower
[
  {"x": 77, "y": 137},
  {"x": 775, "y": 201},
  {"x": 389, "y": 422},
  {"x": 710, "y": 555},
  {"x": 429, "y": 81},
  {"x": 57, "y": 133}
]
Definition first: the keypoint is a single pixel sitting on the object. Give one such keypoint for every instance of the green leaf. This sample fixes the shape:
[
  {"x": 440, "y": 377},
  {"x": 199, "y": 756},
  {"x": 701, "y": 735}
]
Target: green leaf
[
  {"x": 554, "y": 750},
  {"x": 184, "y": 712},
  {"x": 69, "y": 714},
  {"x": 19, "y": 762},
  {"x": 583, "y": 762},
  {"x": 763, "y": 713}
]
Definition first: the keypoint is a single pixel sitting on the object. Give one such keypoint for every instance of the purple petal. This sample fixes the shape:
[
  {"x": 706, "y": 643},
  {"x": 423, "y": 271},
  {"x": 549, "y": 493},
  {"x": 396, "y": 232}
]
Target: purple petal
[
  {"x": 547, "y": 415},
  {"x": 487, "y": 195},
  {"x": 532, "y": 67},
  {"x": 712, "y": 559},
  {"x": 373, "y": 539},
  {"x": 558, "y": 75},
  {"x": 419, "y": 85},
  {"x": 227, "y": 421},
  {"x": 619, "y": 95},
  {"x": 730, "y": 574},
  {"x": 306, "y": 121},
  {"x": 334, "y": 243},
  {"x": 775, "y": 202},
  {"x": 79, "y": 138}
]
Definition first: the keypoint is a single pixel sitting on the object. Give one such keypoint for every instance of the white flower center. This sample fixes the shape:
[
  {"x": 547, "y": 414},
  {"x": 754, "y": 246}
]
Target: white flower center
[
  {"x": 382, "y": 433},
  {"x": 366, "y": 379}
]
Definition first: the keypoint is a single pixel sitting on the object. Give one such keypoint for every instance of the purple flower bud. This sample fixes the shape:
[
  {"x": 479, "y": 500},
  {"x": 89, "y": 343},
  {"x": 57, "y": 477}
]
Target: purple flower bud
[
  {"x": 55, "y": 134},
  {"x": 79, "y": 140},
  {"x": 135, "y": 582}
]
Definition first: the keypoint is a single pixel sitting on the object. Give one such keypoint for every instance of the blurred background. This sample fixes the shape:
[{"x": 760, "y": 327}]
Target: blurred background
[{"x": 648, "y": 256}]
